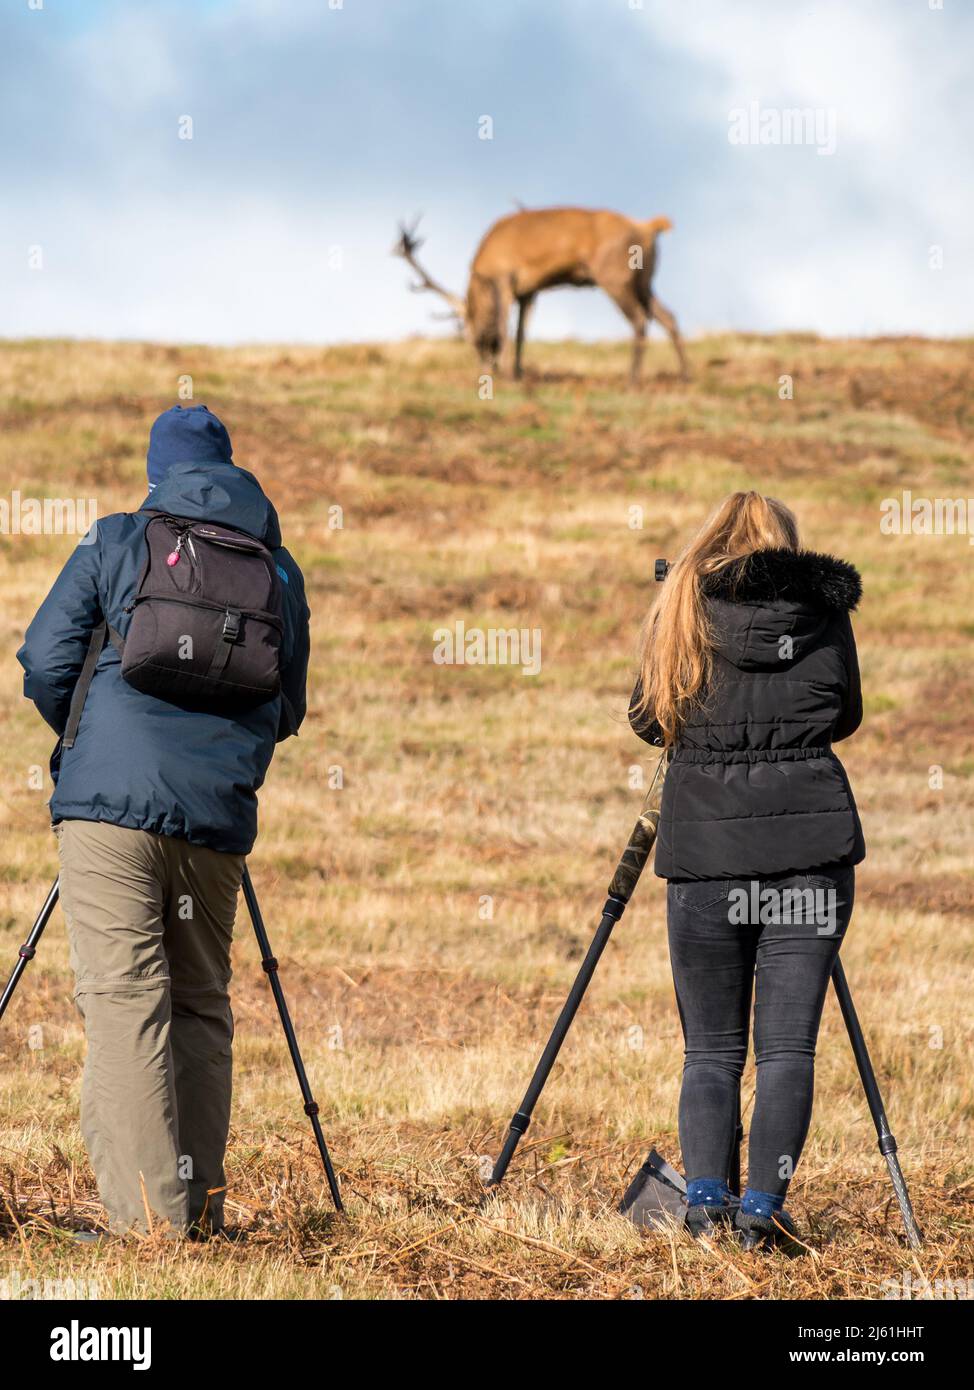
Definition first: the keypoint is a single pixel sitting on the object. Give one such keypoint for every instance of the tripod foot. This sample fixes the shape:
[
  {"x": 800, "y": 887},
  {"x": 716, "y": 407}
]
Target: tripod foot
[{"x": 913, "y": 1232}]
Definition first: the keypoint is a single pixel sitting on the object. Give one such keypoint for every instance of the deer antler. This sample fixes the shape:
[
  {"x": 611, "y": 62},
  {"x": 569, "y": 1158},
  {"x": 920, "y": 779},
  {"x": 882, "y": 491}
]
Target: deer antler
[{"x": 406, "y": 247}]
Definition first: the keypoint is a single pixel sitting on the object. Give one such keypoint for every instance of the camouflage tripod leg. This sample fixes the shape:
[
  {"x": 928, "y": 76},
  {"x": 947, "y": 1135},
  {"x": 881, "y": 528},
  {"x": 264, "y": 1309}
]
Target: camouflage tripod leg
[{"x": 623, "y": 884}]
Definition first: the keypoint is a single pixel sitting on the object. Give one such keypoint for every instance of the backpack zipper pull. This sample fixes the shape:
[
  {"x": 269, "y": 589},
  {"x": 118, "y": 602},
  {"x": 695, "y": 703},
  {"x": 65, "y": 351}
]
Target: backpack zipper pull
[{"x": 173, "y": 557}]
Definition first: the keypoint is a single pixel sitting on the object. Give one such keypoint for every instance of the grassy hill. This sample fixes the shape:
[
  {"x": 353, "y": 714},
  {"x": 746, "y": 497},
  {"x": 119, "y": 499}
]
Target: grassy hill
[{"x": 430, "y": 910}]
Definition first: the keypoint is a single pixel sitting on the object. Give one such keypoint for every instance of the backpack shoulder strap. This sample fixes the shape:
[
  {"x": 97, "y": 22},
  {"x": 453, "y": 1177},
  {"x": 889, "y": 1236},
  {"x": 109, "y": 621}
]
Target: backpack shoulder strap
[{"x": 95, "y": 647}]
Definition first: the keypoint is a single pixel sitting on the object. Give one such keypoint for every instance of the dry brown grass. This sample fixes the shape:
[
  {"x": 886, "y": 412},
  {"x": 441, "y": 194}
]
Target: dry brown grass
[{"x": 420, "y": 1021}]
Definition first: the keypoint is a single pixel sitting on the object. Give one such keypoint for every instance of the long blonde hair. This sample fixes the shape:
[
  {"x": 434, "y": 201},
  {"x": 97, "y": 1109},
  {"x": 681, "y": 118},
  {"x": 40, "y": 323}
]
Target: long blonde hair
[{"x": 676, "y": 651}]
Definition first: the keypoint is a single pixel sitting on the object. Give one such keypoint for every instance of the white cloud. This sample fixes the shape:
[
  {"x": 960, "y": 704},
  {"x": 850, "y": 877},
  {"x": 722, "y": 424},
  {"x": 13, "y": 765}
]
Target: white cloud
[
  {"x": 311, "y": 123},
  {"x": 264, "y": 273},
  {"x": 837, "y": 243}
]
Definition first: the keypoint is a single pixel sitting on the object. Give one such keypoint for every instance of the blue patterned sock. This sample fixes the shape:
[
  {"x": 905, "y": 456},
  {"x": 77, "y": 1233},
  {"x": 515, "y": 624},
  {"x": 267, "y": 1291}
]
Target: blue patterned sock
[
  {"x": 708, "y": 1192},
  {"x": 761, "y": 1203}
]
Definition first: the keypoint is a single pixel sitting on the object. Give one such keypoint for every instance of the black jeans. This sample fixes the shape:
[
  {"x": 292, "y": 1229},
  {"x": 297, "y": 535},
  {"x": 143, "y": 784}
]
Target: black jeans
[{"x": 777, "y": 938}]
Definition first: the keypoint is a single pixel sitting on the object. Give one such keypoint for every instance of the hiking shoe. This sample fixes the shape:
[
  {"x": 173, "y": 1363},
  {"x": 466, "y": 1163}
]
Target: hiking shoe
[
  {"x": 768, "y": 1233},
  {"x": 704, "y": 1221},
  {"x": 233, "y": 1234},
  {"x": 83, "y": 1237}
]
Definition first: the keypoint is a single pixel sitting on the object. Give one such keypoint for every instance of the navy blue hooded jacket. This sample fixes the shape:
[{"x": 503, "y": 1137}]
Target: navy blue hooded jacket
[{"x": 139, "y": 761}]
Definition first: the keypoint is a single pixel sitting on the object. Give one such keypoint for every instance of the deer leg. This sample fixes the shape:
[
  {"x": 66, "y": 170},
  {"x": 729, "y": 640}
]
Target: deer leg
[
  {"x": 663, "y": 317},
  {"x": 628, "y": 301},
  {"x": 506, "y": 348},
  {"x": 638, "y": 343},
  {"x": 524, "y": 306}
]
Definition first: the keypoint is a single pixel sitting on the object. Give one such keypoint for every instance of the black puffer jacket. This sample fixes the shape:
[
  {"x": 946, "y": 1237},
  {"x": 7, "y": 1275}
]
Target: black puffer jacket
[{"x": 754, "y": 787}]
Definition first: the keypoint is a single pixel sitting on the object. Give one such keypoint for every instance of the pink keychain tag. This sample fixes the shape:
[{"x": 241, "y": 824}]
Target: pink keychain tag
[{"x": 172, "y": 558}]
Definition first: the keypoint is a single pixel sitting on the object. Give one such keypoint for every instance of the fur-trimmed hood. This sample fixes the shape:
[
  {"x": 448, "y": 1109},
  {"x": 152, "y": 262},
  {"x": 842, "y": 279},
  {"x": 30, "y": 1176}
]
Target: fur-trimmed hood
[
  {"x": 772, "y": 605},
  {"x": 800, "y": 576}
]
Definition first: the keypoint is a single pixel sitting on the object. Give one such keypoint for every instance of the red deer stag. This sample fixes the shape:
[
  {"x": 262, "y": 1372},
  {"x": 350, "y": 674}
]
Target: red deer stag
[{"x": 534, "y": 250}]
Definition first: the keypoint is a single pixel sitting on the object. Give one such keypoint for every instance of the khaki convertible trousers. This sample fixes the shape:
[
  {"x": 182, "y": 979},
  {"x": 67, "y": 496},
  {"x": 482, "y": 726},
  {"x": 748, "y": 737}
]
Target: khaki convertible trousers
[{"x": 150, "y": 920}]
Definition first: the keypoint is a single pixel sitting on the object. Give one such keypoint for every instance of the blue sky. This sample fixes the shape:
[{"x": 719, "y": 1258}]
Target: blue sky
[{"x": 318, "y": 125}]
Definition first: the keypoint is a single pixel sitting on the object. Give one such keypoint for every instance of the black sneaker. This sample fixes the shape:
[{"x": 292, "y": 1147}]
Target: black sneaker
[
  {"x": 705, "y": 1221},
  {"x": 769, "y": 1233}
]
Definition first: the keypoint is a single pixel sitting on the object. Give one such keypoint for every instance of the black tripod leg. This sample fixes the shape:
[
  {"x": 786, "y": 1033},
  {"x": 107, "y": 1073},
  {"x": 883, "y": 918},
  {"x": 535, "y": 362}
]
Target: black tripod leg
[
  {"x": 269, "y": 963},
  {"x": 29, "y": 947},
  {"x": 887, "y": 1144},
  {"x": 611, "y": 913}
]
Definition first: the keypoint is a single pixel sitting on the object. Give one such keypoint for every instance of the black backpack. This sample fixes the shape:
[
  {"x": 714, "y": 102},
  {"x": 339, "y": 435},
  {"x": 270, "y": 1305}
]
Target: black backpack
[{"x": 206, "y": 623}]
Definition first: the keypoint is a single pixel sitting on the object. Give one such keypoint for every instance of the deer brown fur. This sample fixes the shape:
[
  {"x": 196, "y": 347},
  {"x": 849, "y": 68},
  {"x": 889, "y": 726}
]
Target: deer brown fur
[{"x": 534, "y": 250}]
